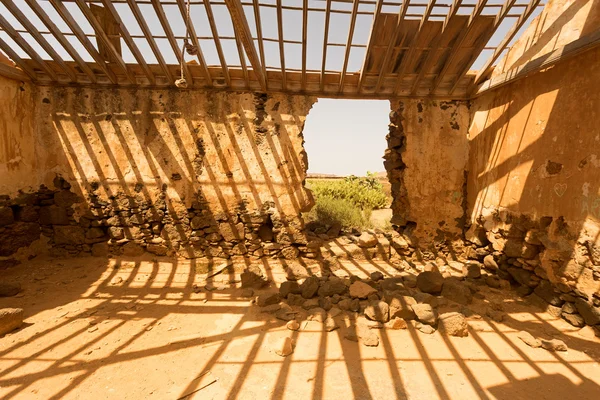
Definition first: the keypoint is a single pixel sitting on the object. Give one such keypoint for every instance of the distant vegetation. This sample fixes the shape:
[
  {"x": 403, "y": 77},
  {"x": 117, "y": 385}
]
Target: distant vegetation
[{"x": 346, "y": 201}]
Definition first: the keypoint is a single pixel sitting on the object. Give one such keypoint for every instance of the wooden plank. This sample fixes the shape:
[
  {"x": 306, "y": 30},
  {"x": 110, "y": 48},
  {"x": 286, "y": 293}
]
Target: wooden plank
[
  {"x": 242, "y": 32},
  {"x": 115, "y": 55},
  {"x": 522, "y": 19},
  {"x": 23, "y": 20},
  {"x": 129, "y": 40},
  {"x": 459, "y": 43},
  {"x": 304, "y": 40},
  {"x": 215, "y": 33},
  {"x": 566, "y": 52},
  {"x": 194, "y": 37},
  {"x": 27, "y": 48},
  {"x": 41, "y": 14},
  {"x": 13, "y": 73},
  {"x": 281, "y": 47},
  {"x": 348, "y": 44},
  {"x": 370, "y": 44},
  {"x": 76, "y": 29},
  {"x": 392, "y": 42},
  {"x": 109, "y": 27},
  {"x": 325, "y": 40},
  {"x": 261, "y": 46},
  {"x": 18, "y": 60},
  {"x": 408, "y": 57},
  {"x": 160, "y": 13},
  {"x": 151, "y": 41}
]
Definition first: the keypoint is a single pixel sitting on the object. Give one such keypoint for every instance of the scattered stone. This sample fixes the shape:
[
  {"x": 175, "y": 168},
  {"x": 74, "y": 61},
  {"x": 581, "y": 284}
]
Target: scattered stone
[
  {"x": 524, "y": 291},
  {"x": 457, "y": 291},
  {"x": 285, "y": 314},
  {"x": 489, "y": 263},
  {"x": 268, "y": 299},
  {"x": 553, "y": 345},
  {"x": 310, "y": 287},
  {"x": 424, "y": 328},
  {"x": 410, "y": 281},
  {"x": 569, "y": 308},
  {"x": 284, "y": 347},
  {"x": 590, "y": 314},
  {"x": 378, "y": 311},
  {"x": 271, "y": 308},
  {"x": 367, "y": 240},
  {"x": 471, "y": 271},
  {"x": 10, "y": 319},
  {"x": 430, "y": 282},
  {"x": 373, "y": 297},
  {"x": 453, "y": 324},
  {"x": 376, "y": 276},
  {"x": 392, "y": 284},
  {"x": 253, "y": 278},
  {"x": 344, "y": 304},
  {"x": 400, "y": 306},
  {"x": 351, "y": 334},
  {"x": 293, "y": 325},
  {"x": 361, "y": 290},
  {"x": 425, "y": 313},
  {"x": 334, "y": 312},
  {"x": 325, "y": 303},
  {"x": 495, "y": 315},
  {"x": 9, "y": 289},
  {"x": 529, "y": 339},
  {"x": 295, "y": 271},
  {"x": 288, "y": 287},
  {"x": 545, "y": 290},
  {"x": 316, "y": 314},
  {"x": 310, "y": 303},
  {"x": 355, "y": 305},
  {"x": 522, "y": 276},
  {"x": 333, "y": 286},
  {"x": 574, "y": 319},
  {"x": 330, "y": 324},
  {"x": 367, "y": 336},
  {"x": 396, "y": 323},
  {"x": 247, "y": 292}
]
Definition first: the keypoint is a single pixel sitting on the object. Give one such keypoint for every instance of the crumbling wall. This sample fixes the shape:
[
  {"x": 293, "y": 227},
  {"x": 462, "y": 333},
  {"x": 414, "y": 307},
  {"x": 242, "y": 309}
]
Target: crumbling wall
[
  {"x": 534, "y": 183},
  {"x": 188, "y": 173},
  {"x": 425, "y": 161}
]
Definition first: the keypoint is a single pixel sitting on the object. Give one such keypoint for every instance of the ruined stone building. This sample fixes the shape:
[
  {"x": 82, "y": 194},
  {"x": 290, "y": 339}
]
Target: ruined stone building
[{"x": 113, "y": 149}]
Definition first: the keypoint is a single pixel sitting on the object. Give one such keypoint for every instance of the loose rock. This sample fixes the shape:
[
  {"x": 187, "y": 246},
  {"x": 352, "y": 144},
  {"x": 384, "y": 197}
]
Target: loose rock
[
  {"x": 457, "y": 291},
  {"x": 529, "y": 339},
  {"x": 310, "y": 287},
  {"x": 10, "y": 319},
  {"x": 425, "y": 313},
  {"x": 9, "y": 289},
  {"x": 367, "y": 240},
  {"x": 361, "y": 290},
  {"x": 396, "y": 323},
  {"x": 267, "y": 299},
  {"x": 554, "y": 345},
  {"x": 378, "y": 311},
  {"x": 453, "y": 324},
  {"x": 430, "y": 282}
]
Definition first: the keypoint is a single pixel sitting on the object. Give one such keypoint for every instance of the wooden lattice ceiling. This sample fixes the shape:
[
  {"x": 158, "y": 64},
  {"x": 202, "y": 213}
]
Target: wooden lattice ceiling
[{"x": 356, "y": 48}]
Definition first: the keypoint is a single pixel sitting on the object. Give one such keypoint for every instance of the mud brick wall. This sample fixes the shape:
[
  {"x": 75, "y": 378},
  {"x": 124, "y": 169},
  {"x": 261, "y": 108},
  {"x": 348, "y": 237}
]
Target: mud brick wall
[
  {"x": 188, "y": 173},
  {"x": 426, "y": 160}
]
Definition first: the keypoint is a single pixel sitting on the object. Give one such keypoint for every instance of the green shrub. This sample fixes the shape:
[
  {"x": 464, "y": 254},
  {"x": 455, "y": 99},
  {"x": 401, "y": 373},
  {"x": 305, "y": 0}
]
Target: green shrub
[
  {"x": 329, "y": 210},
  {"x": 367, "y": 193}
]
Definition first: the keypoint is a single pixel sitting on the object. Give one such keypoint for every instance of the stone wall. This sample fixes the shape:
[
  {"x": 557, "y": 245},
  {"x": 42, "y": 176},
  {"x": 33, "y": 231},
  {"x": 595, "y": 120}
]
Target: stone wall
[
  {"x": 188, "y": 173},
  {"x": 426, "y": 160}
]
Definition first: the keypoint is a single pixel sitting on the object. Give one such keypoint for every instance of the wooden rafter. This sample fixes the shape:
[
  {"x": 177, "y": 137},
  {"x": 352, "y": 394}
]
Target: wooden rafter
[
  {"x": 261, "y": 46},
  {"x": 39, "y": 37},
  {"x": 18, "y": 60},
  {"x": 281, "y": 47},
  {"x": 363, "y": 69},
  {"x": 129, "y": 41},
  {"x": 160, "y": 13},
  {"x": 41, "y": 14},
  {"x": 242, "y": 32},
  {"x": 458, "y": 43},
  {"x": 76, "y": 29},
  {"x": 392, "y": 42},
  {"x": 408, "y": 57},
  {"x": 215, "y": 33},
  {"x": 325, "y": 40},
  {"x": 348, "y": 44},
  {"x": 27, "y": 48},
  {"x": 194, "y": 37},
  {"x": 240, "y": 49},
  {"x": 304, "y": 41},
  {"x": 87, "y": 12},
  {"x": 498, "y": 52},
  {"x": 431, "y": 55},
  {"x": 13, "y": 73},
  {"x": 137, "y": 13}
]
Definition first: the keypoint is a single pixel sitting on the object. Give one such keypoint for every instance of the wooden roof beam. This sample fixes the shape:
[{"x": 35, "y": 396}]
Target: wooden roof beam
[
  {"x": 18, "y": 60},
  {"x": 14, "y": 35},
  {"x": 242, "y": 32},
  {"x": 408, "y": 57},
  {"x": 325, "y": 40},
  {"x": 160, "y": 13},
  {"x": 23, "y": 20},
  {"x": 41, "y": 14},
  {"x": 261, "y": 46},
  {"x": 76, "y": 29},
  {"x": 435, "y": 46},
  {"x": 500, "y": 49},
  {"x": 129, "y": 41},
  {"x": 281, "y": 47},
  {"x": 137, "y": 13},
  {"x": 215, "y": 33},
  {"x": 100, "y": 34},
  {"x": 348, "y": 44},
  {"x": 363, "y": 69},
  {"x": 304, "y": 40},
  {"x": 392, "y": 42},
  {"x": 194, "y": 37}
]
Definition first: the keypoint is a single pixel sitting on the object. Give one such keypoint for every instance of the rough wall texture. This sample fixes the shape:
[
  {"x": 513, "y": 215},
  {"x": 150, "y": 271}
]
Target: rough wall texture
[
  {"x": 534, "y": 176},
  {"x": 192, "y": 173},
  {"x": 426, "y": 159}
]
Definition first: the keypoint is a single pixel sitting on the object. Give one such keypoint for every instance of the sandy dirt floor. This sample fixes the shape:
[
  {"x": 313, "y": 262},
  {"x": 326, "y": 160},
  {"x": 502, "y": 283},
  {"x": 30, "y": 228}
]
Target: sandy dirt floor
[{"x": 137, "y": 329}]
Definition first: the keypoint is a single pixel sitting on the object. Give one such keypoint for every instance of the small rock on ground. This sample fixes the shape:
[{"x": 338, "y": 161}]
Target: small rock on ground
[
  {"x": 10, "y": 319},
  {"x": 9, "y": 289},
  {"x": 361, "y": 290},
  {"x": 425, "y": 313},
  {"x": 453, "y": 324},
  {"x": 554, "y": 345},
  {"x": 430, "y": 282},
  {"x": 529, "y": 339}
]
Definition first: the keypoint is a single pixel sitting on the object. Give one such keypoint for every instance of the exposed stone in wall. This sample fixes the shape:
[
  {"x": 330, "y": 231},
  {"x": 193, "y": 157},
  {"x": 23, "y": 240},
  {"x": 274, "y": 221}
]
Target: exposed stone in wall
[{"x": 426, "y": 161}]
